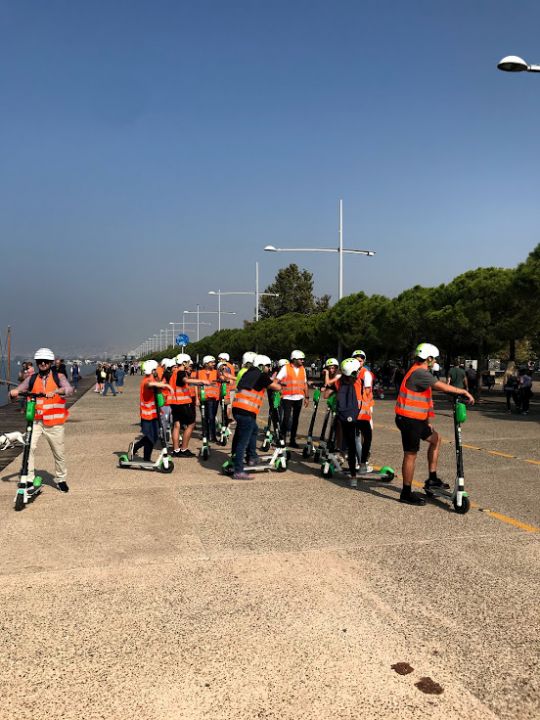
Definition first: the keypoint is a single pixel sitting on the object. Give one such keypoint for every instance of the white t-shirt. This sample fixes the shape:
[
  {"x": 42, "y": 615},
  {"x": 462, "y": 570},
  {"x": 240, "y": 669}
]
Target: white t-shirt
[
  {"x": 282, "y": 375},
  {"x": 368, "y": 379}
]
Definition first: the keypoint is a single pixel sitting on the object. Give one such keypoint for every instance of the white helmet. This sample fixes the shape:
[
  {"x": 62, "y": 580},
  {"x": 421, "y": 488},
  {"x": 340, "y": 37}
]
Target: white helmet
[
  {"x": 182, "y": 358},
  {"x": 426, "y": 350},
  {"x": 150, "y": 366},
  {"x": 261, "y": 360},
  {"x": 224, "y": 356},
  {"x": 331, "y": 361},
  {"x": 350, "y": 366},
  {"x": 168, "y": 363},
  {"x": 297, "y": 355},
  {"x": 248, "y": 357},
  {"x": 208, "y": 359},
  {"x": 164, "y": 362},
  {"x": 359, "y": 353},
  {"x": 281, "y": 363},
  {"x": 44, "y": 354}
]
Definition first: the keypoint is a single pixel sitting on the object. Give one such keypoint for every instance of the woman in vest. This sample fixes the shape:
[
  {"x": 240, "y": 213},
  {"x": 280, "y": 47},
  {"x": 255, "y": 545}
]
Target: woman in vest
[
  {"x": 246, "y": 406},
  {"x": 51, "y": 412},
  {"x": 414, "y": 409}
]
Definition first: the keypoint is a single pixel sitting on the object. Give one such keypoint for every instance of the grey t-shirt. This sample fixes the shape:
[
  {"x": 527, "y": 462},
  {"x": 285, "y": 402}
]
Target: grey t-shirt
[
  {"x": 420, "y": 380},
  {"x": 457, "y": 377}
]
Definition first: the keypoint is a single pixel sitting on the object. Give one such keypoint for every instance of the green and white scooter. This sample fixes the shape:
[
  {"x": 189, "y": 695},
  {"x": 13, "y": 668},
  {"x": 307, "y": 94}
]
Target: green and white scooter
[
  {"x": 204, "y": 451},
  {"x": 332, "y": 464},
  {"x": 308, "y": 450},
  {"x": 276, "y": 461},
  {"x": 27, "y": 489},
  {"x": 163, "y": 463},
  {"x": 321, "y": 450},
  {"x": 458, "y": 497},
  {"x": 222, "y": 427}
]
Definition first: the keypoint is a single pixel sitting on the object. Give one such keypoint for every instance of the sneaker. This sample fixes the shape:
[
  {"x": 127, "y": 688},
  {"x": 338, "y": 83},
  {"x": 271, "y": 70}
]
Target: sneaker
[
  {"x": 294, "y": 445},
  {"x": 353, "y": 482},
  {"x": 437, "y": 483},
  {"x": 63, "y": 486},
  {"x": 412, "y": 498},
  {"x": 184, "y": 454},
  {"x": 241, "y": 476},
  {"x": 365, "y": 468},
  {"x": 254, "y": 461},
  {"x": 130, "y": 452}
]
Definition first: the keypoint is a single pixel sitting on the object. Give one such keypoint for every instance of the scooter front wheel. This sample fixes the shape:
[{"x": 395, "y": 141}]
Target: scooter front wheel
[
  {"x": 205, "y": 453},
  {"x": 464, "y": 507},
  {"x": 19, "y": 501},
  {"x": 166, "y": 468}
]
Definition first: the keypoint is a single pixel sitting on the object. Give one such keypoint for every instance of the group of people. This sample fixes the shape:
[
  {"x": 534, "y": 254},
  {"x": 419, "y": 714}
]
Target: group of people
[{"x": 110, "y": 376}]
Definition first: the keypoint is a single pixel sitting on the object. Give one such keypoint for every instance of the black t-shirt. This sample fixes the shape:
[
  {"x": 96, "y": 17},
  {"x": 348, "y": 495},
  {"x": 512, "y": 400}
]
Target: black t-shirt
[{"x": 250, "y": 381}]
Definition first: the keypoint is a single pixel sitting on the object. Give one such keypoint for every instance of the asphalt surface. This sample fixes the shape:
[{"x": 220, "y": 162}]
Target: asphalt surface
[{"x": 192, "y": 595}]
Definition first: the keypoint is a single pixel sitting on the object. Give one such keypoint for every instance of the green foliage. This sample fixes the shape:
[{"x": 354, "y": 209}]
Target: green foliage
[{"x": 295, "y": 290}]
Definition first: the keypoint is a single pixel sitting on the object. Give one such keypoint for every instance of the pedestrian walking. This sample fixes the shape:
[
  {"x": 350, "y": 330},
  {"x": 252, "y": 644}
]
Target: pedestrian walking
[
  {"x": 120, "y": 375},
  {"x": 110, "y": 376},
  {"x": 525, "y": 390}
]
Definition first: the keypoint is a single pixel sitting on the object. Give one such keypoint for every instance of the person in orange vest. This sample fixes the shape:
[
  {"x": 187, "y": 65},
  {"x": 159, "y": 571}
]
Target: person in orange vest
[
  {"x": 246, "y": 405},
  {"x": 149, "y": 411},
  {"x": 414, "y": 409},
  {"x": 364, "y": 378},
  {"x": 51, "y": 412},
  {"x": 294, "y": 394},
  {"x": 209, "y": 373},
  {"x": 227, "y": 374},
  {"x": 182, "y": 402}
]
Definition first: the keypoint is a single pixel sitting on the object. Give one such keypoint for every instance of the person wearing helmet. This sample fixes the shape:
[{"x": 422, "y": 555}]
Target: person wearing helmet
[
  {"x": 227, "y": 375},
  {"x": 51, "y": 412},
  {"x": 209, "y": 373},
  {"x": 182, "y": 400},
  {"x": 246, "y": 405},
  {"x": 364, "y": 380},
  {"x": 247, "y": 361},
  {"x": 295, "y": 393},
  {"x": 148, "y": 411},
  {"x": 330, "y": 372},
  {"x": 414, "y": 408}
]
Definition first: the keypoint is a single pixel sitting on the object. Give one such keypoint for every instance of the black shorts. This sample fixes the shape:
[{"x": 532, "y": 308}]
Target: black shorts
[
  {"x": 412, "y": 431},
  {"x": 184, "y": 414}
]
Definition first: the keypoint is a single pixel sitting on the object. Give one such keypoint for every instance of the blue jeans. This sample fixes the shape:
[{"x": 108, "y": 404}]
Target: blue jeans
[
  {"x": 107, "y": 386},
  {"x": 211, "y": 411},
  {"x": 245, "y": 438}
]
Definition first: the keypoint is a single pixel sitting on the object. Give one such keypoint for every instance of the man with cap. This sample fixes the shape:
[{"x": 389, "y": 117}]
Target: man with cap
[{"x": 51, "y": 412}]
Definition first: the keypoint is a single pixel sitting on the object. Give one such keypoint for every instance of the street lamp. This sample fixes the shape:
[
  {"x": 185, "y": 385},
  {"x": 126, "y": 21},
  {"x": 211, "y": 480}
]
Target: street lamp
[
  {"x": 183, "y": 324},
  {"x": 513, "y": 63},
  {"x": 198, "y": 312},
  {"x": 339, "y": 250},
  {"x": 255, "y": 292}
]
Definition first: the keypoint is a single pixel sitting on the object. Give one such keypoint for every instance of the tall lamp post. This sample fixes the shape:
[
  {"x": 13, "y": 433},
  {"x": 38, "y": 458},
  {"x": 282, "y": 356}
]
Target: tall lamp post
[
  {"x": 340, "y": 250},
  {"x": 513, "y": 63},
  {"x": 255, "y": 292}
]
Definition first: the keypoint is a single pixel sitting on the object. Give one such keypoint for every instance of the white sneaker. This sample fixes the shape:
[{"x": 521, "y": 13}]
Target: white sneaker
[
  {"x": 353, "y": 482},
  {"x": 365, "y": 468}
]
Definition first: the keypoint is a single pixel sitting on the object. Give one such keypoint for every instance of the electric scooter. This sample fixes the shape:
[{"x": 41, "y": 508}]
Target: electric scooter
[
  {"x": 308, "y": 450},
  {"x": 27, "y": 489},
  {"x": 321, "y": 450},
  {"x": 204, "y": 452},
  {"x": 163, "y": 463},
  {"x": 333, "y": 464},
  {"x": 268, "y": 434},
  {"x": 276, "y": 461},
  {"x": 457, "y": 495},
  {"x": 222, "y": 428}
]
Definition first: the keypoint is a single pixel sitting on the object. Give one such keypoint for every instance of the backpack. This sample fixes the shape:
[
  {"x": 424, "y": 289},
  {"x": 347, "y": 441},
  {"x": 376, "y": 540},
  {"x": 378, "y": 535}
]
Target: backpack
[{"x": 347, "y": 403}]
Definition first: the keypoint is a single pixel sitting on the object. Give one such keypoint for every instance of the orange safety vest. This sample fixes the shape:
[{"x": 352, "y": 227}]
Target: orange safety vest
[
  {"x": 367, "y": 403},
  {"x": 182, "y": 393},
  {"x": 147, "y": 400},
  {"x": 295, "y": 383},
  {"x": 212, "y": 391},
  {"x": 250, "y": 400},
  {"x": 415, "y": 405},
  {"x": 51, "y": 411},
  {"x": 159, "y": 372}
]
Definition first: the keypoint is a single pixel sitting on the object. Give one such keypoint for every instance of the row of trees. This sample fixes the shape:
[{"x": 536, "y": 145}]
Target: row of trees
[{"x": 481, "y": 313}]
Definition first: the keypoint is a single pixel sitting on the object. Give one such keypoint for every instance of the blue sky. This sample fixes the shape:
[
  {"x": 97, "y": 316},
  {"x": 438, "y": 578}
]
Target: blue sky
[{"x": 150, "y": 150}]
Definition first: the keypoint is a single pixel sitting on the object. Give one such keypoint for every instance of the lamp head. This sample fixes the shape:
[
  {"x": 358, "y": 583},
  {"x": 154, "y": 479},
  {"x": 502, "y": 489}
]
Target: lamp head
[
  {"x": 270, "y": 248},
  {"x": 512, "y": 63}
]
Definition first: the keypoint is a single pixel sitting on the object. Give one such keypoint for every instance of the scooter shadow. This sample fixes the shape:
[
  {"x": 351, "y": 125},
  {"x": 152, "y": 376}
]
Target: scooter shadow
[{"x": 47, "y": 478}]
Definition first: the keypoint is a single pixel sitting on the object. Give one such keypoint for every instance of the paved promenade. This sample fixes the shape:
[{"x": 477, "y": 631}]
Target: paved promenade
[{"x": 158, "y": 597}]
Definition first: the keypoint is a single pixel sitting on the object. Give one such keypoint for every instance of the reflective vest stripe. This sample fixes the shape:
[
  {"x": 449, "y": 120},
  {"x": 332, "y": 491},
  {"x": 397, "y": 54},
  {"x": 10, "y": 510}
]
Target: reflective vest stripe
[
  {"x": 211, "y": 391},
  {"x": 295, "y": 383},
  {"x": 367, "y": 402},
  {"x": 415, "y": 405},
  {"x": 47, "y": 409},
  {"x": 250, "y": 400},
  {"x": 182, "y": 393}
]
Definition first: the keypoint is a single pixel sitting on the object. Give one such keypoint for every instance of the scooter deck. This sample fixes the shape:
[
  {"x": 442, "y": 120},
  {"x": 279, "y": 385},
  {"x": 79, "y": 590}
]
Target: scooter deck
[{"x": 140, "y": 465}]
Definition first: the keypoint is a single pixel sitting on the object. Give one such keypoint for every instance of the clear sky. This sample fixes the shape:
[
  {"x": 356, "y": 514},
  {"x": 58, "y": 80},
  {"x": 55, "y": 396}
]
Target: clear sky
[{"x": 150, "y": 150}]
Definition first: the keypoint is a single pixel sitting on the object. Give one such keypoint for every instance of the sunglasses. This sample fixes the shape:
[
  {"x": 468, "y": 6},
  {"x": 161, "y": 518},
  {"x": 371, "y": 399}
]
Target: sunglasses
[{"x": 44, "y": 362}]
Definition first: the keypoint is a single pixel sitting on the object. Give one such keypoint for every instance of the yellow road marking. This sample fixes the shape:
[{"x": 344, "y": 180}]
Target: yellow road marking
[
  {"x": 471, "y": 447},
  {"x": 512, "y": 521},
  {"x": 533, "y": 462},
  {"x": 500, "y": 454}
]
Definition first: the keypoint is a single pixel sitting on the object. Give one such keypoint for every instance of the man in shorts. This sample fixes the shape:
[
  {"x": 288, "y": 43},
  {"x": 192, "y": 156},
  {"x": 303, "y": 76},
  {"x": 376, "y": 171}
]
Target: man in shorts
[
  {"x": 182, "y": 405},
  {"x": 414, "y": 408}
]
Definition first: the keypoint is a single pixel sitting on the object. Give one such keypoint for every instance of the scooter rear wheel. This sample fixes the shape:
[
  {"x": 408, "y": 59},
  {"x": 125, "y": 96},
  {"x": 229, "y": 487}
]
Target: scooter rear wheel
[
  {"x": 168, "y": 469},
  {"x": 19, "y": 502},
  {"x": 464, "y": 507}
]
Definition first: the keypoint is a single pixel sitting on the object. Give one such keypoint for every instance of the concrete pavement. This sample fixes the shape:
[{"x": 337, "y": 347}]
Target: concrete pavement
[{"x": 192, "y": 595}]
